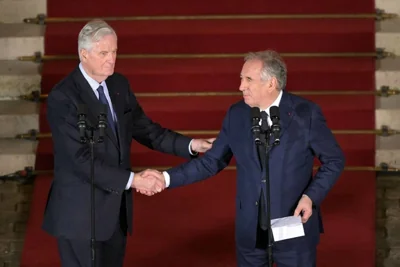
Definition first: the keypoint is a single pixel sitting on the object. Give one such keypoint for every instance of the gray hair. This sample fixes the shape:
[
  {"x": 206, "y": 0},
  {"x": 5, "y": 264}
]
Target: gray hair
[
  {"x": 93, "y": 32},
  {"x": 273, "y": 66}
]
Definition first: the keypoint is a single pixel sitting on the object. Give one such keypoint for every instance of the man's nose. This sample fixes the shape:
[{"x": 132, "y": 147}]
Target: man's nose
[
  {"x": 111, "y": 58},
  {"x": 242, "y": 86}
]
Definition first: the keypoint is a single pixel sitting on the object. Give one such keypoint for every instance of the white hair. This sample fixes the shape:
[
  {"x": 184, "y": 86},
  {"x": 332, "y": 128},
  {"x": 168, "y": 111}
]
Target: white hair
[
  {"x": 273, "y": 66},
  {"x": 93, "y": 32}
]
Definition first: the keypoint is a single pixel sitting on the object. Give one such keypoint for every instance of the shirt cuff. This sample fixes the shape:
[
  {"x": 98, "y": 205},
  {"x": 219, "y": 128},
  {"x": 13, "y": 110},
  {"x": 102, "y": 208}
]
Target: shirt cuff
[
  {"x": 128, "y": 185},
  {"x": 190, "y": 149},
  {"x": 167, "y": 178}
]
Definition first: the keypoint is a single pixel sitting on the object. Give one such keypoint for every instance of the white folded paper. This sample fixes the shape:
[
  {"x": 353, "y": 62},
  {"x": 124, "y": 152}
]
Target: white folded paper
[{"x": 287, "y": 227}]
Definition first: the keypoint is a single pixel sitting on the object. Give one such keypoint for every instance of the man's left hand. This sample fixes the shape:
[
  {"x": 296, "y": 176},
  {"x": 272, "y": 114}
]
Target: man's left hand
[
  {"x": 202, "y": 145},
  {"x": 305, "y": 206}
]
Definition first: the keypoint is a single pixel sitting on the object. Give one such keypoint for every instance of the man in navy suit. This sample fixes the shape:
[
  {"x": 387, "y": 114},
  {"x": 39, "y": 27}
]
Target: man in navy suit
[
  {"x": 67, "y": 216},
  {"x": 293, "y": 189}
]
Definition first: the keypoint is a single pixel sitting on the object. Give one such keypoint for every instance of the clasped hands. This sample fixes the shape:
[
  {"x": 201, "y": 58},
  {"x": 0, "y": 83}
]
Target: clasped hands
[{"x": 149, "y": 182}]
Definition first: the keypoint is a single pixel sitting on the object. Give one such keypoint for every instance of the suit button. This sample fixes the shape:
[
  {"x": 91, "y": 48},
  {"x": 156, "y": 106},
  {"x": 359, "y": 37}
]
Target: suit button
[
  {"x": 120, "y": 162},
  {"x": 256, "y": 203}
]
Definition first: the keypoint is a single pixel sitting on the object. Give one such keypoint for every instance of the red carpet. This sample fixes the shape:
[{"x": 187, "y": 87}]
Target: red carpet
[
  {"x": 183, "y": 7},
  {"x": 222, "y": 75},
  {"x": 197, "y": 222},
  {"x": 210, "y": 36},
  {"x": 197, "y": 226}
]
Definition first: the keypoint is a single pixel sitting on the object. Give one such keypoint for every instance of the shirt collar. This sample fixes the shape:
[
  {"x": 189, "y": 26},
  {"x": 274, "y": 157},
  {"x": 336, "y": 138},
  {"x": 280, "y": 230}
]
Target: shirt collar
[
  {"x": 275, "y": 103},
  {"x": 93, "y": 83}
]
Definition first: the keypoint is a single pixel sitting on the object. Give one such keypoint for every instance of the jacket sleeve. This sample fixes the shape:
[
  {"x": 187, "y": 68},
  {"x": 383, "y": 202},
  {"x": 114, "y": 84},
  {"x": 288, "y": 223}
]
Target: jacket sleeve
[
  {"x": 211, "y": 163},
  {"x": 154, "y": 136},
  {"x": 327, "y": 150}
]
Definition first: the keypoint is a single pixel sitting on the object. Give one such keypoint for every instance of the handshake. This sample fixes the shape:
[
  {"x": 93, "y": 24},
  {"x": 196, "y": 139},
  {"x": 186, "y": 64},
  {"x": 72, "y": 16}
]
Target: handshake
[{"x": 149, "y": 182}]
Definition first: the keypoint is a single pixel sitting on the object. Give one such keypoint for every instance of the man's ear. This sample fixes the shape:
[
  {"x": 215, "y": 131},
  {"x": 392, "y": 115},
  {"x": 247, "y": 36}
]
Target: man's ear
[
  {"x": 83, "y": 54},
  {"x": 272, "y": 84}
]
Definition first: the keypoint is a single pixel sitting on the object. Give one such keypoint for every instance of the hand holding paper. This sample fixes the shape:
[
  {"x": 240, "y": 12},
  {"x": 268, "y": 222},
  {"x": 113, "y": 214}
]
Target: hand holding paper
[
  {"x": 287, "y": 227},
  {"x": 304, "y": 208}
]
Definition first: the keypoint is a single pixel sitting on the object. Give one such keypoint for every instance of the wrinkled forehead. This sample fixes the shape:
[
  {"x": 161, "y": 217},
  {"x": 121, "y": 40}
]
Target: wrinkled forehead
[{"x": 252, "y": 68}]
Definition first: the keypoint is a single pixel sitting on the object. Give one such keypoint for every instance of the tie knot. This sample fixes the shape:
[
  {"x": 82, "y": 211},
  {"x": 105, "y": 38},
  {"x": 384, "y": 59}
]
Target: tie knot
[
  {"x": 100, "y": 89},
  {"x": 264, "y": 115},
  {"x": 264, "y": 121}
]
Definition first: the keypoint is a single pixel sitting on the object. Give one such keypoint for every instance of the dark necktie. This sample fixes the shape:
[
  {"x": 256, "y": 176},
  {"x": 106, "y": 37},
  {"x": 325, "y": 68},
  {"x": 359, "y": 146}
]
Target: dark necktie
[
  {"x": 264, "y": 121},
  {"x": 262, "y": 216},
  {"x": 103, "y": 99}
]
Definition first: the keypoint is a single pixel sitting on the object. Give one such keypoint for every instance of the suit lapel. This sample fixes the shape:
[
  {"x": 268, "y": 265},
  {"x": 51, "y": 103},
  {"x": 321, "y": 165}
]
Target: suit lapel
[
  {"x": 94, "y": 105},
  {"x": 286, "y": 112}
]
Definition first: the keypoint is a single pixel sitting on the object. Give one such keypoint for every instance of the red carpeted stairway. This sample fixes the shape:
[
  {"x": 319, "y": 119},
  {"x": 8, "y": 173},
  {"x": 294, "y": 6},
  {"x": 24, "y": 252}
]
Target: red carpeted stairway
[{"x": 194, "y": 226}]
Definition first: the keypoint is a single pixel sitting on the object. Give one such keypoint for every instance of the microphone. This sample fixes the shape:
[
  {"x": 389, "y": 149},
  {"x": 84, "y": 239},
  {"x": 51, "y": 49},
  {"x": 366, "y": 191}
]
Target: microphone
[
  {"x": 255, "y": 128},
  {"x": 82, "y": 122},
  {"x": 102, "y": 122},
  {"x": 275, "y": 127}
]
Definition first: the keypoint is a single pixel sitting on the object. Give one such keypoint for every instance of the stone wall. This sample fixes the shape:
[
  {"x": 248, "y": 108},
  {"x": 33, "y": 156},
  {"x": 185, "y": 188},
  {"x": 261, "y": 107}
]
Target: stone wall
[{"x": 15, "y": 201}]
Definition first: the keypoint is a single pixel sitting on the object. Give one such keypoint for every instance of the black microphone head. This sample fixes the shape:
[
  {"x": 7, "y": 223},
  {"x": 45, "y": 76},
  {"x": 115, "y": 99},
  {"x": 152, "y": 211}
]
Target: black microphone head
[
  {"x": 274, "y": 112},
  {"x": 103, "y": 110},
  {"x": 82, "y": 109},
  {"x": 255, "y": 112}
]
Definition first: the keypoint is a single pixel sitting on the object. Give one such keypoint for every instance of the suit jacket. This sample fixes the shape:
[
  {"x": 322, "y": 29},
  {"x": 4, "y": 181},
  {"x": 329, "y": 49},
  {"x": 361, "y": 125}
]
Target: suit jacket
[
  {"x": 67, "y": 211},
  {"x": 304, "y": 136}
]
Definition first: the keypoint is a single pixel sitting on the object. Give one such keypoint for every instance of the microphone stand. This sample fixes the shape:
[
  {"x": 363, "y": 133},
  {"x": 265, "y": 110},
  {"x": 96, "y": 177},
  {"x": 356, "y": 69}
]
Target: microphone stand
[
  {"x": 268, "y": 148},
  {"x": 273, "y": 131},
  {"x": 87, "y": 136}
]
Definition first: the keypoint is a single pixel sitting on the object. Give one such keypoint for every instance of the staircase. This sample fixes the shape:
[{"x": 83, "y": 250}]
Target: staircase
[
  {"x": 18, "y": 116},
  {"x": 388, "y": 148}
]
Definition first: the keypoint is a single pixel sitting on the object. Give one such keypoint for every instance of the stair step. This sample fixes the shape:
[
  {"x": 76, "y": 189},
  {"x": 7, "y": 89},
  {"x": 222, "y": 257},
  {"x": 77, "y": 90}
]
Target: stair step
[
  {"x": 389, "y": 40},
  {"x": 217, "y": 36},
  {"x": 18, "y": 78},
  {"x": 390, "y": 6},
  {"x": 388, "y": 26},
  {"x": 391, "y": 157},
  {"x": 391, "y": 102},
  {"x": 16, "y": 155},
  {"x": 388, "y": 142},
  {"x": 388, "y": 33},
  {"x": 19, "y": 39},
  {"x": 12, "y": 11},
  {"x": 356, "y": 148},
  {"x": 21, "y": 30},
  {"x": 216, "y": 75},
  {"x": 388, "y": 64},
  {"x": 387, "y": 117},
  {"x": 186, "y": 8},
  {"x": 19, "y": 116},
  {"x": 387, "y": 78}
]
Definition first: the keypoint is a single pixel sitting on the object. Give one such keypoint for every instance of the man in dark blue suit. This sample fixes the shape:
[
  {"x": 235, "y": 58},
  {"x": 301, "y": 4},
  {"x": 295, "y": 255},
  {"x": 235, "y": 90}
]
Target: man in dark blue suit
[
  {"x": 293, "y": 189},
  {"x": 95, "y": 84}
]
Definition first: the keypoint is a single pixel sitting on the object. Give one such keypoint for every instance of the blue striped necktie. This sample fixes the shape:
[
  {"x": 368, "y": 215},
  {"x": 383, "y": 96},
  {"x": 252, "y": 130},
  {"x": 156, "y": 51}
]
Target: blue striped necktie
[{"x": 103, "y": 99}]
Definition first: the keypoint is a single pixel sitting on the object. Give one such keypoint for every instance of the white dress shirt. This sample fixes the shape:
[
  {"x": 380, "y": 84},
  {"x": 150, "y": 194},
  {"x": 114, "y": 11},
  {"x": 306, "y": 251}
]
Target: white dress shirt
[{"x": 275, "y": 103}]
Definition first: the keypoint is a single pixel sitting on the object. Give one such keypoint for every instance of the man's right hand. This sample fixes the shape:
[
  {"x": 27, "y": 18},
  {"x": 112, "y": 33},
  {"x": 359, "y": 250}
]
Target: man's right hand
[{"x": 149, "y": 182}]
